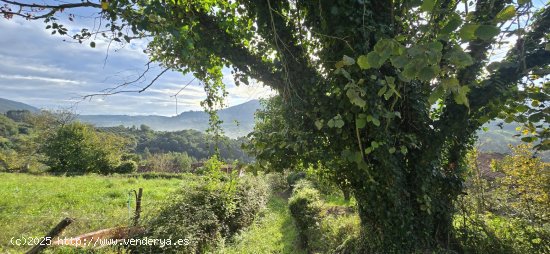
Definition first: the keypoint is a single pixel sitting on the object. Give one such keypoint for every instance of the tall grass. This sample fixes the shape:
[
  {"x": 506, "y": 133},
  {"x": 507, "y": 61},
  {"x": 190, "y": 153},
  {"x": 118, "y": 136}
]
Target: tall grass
[{"x": 30, "y": 205}]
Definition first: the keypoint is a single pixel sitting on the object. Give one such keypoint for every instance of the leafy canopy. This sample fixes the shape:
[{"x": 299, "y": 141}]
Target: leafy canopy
[{"x": 395, "y": 90}]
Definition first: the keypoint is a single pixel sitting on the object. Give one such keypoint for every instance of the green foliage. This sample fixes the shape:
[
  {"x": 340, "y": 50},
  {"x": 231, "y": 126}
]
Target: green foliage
[
  {"x": 508, "y": 214},
  {"x": 305, "y": 207},
  {"x": 319, "y": 230},
  {"x": 195, "y": 144},
  {"x": 206, "y": 213},
  {"x": 126, "y": 167},
  {"x": 294, "y": 177},
  {"x": 78, "y": 148},
  {"x": 167, "y": 162},
  {"x": 277, "y": 182},
  {"x": 7, "y": 127},
  {"x": 524, "y": 188},
  {"x": 386, "y": 90}
]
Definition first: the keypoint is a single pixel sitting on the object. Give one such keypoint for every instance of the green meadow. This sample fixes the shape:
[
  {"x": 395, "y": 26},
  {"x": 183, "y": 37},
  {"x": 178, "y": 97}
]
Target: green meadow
[{"x": 30, "y": 205}]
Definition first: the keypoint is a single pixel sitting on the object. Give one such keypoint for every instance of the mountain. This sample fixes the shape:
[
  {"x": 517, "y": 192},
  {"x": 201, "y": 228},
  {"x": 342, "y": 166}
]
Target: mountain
[
  {"x": 238, "y": 120},
  {"x": 7, "y": 105}
]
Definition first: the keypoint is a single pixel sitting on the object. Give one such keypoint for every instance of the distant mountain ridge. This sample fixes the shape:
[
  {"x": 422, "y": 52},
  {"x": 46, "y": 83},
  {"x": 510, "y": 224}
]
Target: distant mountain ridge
[
  {"x": 7, "y": 105},
  {"x": 238, "y": 120}
]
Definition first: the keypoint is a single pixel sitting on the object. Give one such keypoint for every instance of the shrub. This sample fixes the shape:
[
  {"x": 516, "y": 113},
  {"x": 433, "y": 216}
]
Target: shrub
[
  {"x": 322, "y": 228},
  {"x": 127, "y": 167},
  {"x": 294, "y": 177},
  {"x": 168, "y": 162},
  {"x": 277, "y": 182},
  {"x": 206, "y": 213},
  {"x": 305, "y": 207}
]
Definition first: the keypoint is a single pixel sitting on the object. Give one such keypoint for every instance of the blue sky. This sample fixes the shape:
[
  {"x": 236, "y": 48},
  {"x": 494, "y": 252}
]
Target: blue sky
[{"x": 42, "y": 70}]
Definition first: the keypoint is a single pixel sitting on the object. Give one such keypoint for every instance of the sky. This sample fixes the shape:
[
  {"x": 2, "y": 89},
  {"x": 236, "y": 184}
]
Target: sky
[{"x": 47, "y": 72}]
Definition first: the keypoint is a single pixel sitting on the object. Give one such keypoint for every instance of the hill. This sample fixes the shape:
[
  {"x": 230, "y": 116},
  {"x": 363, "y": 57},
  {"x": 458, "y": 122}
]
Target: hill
[
  {"x": 238, "y": 120},
  {"x": 7, "y": 105}
]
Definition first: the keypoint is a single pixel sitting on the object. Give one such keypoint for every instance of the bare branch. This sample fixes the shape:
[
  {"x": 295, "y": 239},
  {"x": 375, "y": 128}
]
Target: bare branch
[{"x": 111, "y": 91}]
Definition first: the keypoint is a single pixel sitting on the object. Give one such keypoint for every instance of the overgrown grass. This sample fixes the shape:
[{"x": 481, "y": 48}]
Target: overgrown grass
[
  {"x": 30, "y": 205},
  {"x": 274, "y": 232}
]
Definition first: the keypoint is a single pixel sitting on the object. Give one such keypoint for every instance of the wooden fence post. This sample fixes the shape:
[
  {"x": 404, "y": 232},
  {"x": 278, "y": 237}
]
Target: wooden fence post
[
  {"x": 138, "y": 206},
  {"x": 53, "y": 233}
]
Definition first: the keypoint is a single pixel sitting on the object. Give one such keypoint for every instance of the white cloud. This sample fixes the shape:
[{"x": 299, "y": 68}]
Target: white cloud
[{"x": 37, "y": 78}]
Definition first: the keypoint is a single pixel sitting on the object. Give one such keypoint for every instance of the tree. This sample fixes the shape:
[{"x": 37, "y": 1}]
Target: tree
[
  {"x": 77, "y": 148},
  {"x": 396, "y": 88}
]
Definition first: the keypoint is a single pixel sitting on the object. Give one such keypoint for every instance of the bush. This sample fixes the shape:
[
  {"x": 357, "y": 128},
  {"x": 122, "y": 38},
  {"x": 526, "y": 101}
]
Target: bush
[
  {"x": 322, "y": 228},
  {"x": 127, "y": 167},
  {"x": 206, "y": 214},
  {"x": 294, "y": 177},
  {"x": 250, "y": 199},
  {"x": 277, "y": 182},
  {"x": 168, "y": 162},
  {"x": 305, "y": 207}
]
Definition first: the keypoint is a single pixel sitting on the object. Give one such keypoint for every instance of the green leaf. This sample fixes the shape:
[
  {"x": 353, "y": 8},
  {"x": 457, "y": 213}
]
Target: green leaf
[
  {"x": 348, "y": 60},
  {"x": 339, "y": 64},
  {"x": 391, "y": 150},
  {"x": 319, "y": 124},
  {"x": 376, "y": 122},
  {"x": 547, "y": 47},
  {"x": 435, "y": 46},
  {"x": 363, "y": 62},
  {"x": 92, "y": 44},
  {"x": 427, "y": 5},
  {"x": 382, "y": 91},
  {"x": 507, "y": 13},
  {"x": 528, "y": 139},
  {"x": 368, "y": 150},
  {"x": 410, "y": 70},
  {"x": 459, "y": 58},
  {"x": 374, "y": 60},
  {"x": 360, "y": 123},
  {"x": 521, "y": 2},
  {"x": 339, "y": 123},
  {"x": 454, "y": 22},
  {"x": 404, "y": 150},
  {"x": 487, "y": 32},
  {"x": 450, "y": 83},
  {"x": 522, "y": 108},
  {"x": 428, "y": 73},
  {"x": 399, "y": 61},
  {"x": 468, "y": 32},
  {"x": 436, "y": 94},
  {"x": 354, "y": 98},
  {"x": 461, "y": 96}
]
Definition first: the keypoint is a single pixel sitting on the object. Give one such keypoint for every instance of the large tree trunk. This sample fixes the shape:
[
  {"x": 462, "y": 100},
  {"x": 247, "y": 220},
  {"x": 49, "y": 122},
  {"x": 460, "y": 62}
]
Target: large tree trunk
[{"x": 405, "y": 210}]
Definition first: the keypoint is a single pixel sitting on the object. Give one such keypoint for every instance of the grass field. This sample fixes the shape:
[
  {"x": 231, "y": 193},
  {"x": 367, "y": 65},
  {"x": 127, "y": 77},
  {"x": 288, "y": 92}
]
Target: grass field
[{"x": 30, "y": 205}]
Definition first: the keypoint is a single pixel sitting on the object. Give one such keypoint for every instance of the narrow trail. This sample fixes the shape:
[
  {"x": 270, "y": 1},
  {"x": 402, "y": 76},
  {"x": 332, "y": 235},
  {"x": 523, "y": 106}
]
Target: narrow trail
[{"x": 274, "y": 232}]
